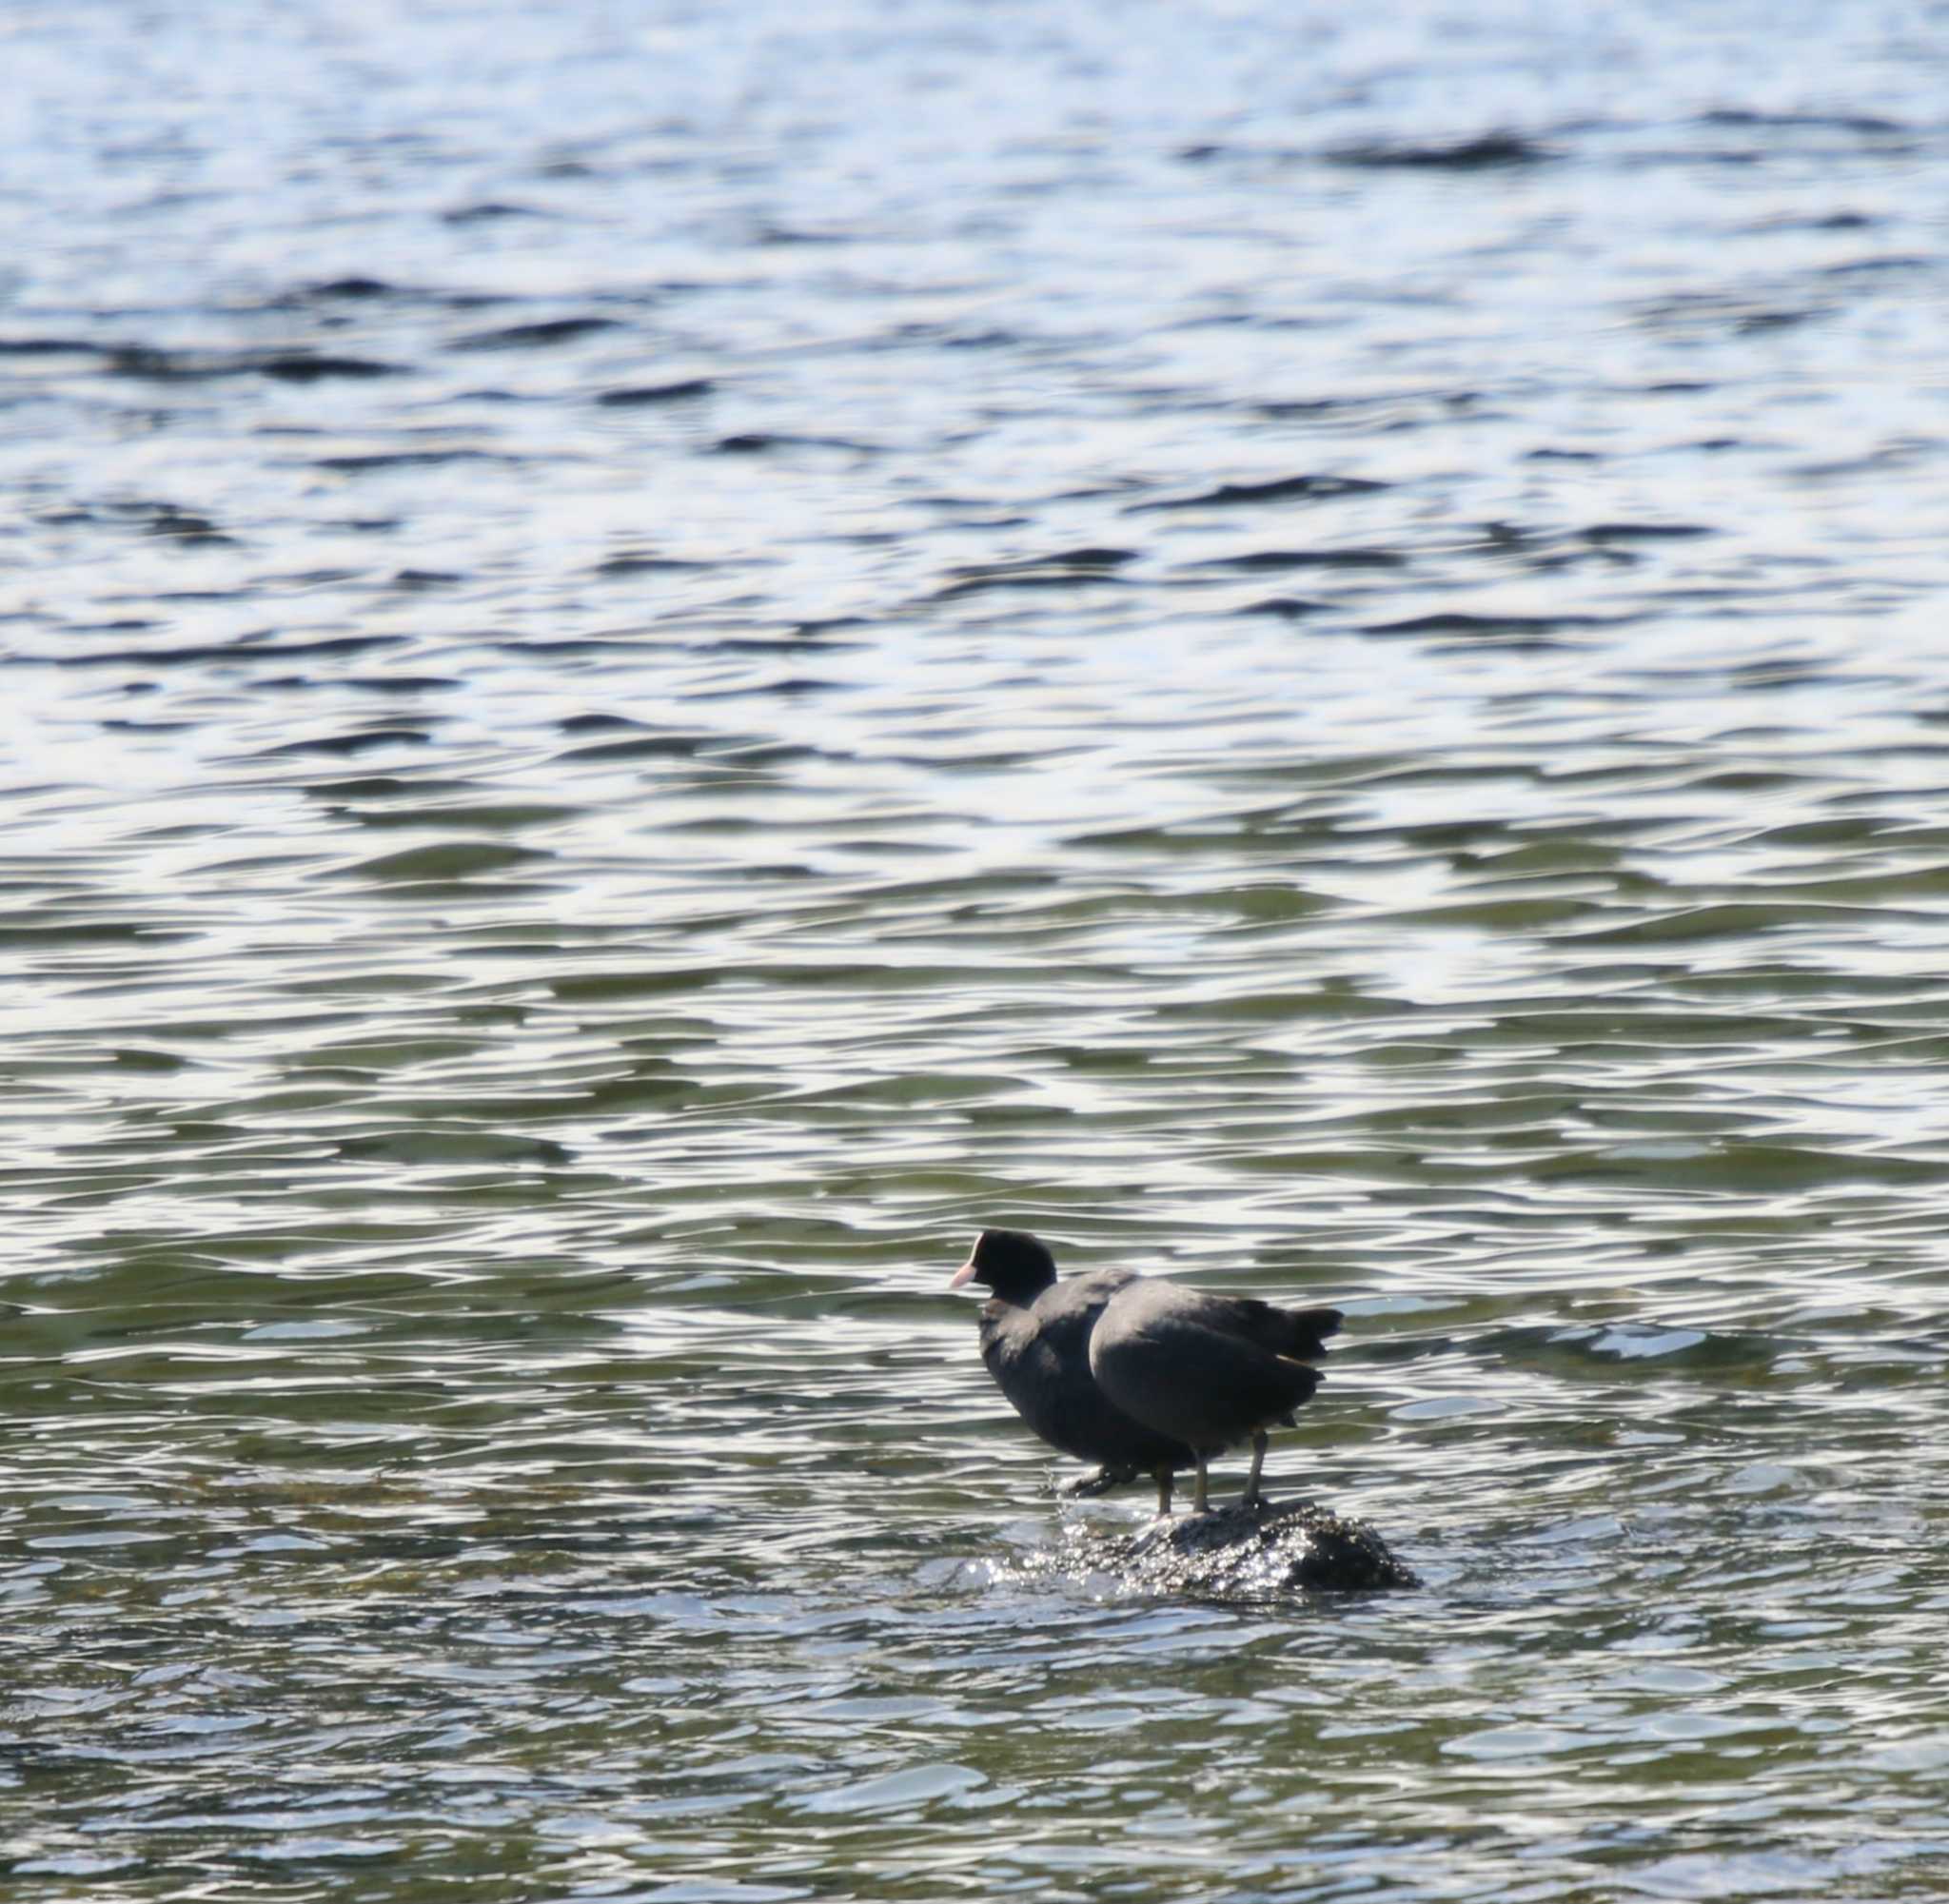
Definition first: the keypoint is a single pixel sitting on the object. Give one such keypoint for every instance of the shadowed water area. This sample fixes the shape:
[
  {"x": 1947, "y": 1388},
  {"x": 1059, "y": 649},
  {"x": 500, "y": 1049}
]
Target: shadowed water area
[{"x": 652, "y": 662}]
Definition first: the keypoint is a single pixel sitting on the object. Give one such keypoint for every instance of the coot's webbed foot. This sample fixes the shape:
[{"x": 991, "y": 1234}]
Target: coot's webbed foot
[{"x": 1100, "y": 1482}]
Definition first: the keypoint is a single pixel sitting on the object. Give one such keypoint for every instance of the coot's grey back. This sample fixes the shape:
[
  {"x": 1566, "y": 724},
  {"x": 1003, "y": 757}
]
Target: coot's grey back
[{"x": 1204, "y": 1370}]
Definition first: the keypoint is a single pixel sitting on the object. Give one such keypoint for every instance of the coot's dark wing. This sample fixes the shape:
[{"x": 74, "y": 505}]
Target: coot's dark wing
[
  {"x": 1207, "y": 1370},
  {"x": 1039, "y": 1357}
]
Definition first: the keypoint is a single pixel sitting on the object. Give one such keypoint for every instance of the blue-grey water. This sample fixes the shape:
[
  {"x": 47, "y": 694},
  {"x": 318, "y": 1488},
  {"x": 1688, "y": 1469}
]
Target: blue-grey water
[{"x": 654, "y": 658}]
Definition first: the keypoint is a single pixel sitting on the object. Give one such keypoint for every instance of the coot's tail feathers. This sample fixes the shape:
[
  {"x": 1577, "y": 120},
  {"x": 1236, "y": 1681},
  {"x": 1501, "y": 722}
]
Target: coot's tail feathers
[
  {"x": 1311, "y": 1329},
  {"x": 1298, "y": 1334}
]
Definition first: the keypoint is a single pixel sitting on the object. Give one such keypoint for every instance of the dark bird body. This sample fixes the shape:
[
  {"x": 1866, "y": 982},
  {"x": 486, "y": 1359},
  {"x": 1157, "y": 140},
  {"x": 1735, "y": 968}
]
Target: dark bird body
[
  {"x": 1139, "y": 1374},
  {"x": 1039, "y": 1356}
]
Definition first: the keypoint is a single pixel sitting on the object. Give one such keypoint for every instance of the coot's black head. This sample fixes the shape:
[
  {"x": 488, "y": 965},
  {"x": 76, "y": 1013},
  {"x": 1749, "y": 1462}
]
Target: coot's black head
[{"x": 1011, "y": 1262}]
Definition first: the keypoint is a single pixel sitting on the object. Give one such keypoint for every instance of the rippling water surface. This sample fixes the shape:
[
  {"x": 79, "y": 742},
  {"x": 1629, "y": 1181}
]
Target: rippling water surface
[{"x": 655, "y": 659}]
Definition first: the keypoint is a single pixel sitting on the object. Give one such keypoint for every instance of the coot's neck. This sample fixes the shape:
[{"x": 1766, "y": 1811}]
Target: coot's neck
[{"x": 1020, "y": 1287}]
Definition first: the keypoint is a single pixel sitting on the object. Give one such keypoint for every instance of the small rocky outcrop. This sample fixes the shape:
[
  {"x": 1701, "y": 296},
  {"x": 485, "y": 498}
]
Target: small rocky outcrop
[{"x": 1236, "y": 1552}]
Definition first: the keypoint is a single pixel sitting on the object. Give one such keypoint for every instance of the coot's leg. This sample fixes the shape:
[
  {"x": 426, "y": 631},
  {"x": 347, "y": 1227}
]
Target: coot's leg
[
  {"x": 1251, "y": 1497},
  {"x": 1199, "y": 1503},
  {"x": 1164, "y": 1492}
]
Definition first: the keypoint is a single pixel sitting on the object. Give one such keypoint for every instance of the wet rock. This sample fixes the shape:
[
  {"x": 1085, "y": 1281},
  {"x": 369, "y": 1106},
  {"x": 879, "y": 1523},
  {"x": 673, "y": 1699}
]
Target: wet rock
[{"x": 1245, "y": 1552}]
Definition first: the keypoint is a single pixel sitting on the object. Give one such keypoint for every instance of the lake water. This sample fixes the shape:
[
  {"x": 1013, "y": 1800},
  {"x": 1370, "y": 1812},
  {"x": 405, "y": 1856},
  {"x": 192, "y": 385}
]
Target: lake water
[{"x": 654, "y": 659}]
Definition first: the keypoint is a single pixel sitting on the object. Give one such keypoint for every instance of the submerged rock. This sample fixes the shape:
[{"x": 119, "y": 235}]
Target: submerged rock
[{"x": 1244, "y": 1551}]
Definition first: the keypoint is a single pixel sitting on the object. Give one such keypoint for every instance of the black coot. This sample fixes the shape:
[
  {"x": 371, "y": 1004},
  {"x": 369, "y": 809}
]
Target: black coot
[
  {"x": 1206, "y": 1370},
  {"x": 1035, "y": 1340},
  {"x": 1140, "y": 1374}
]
